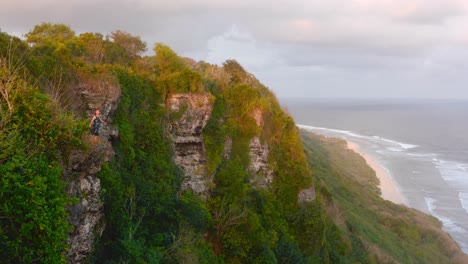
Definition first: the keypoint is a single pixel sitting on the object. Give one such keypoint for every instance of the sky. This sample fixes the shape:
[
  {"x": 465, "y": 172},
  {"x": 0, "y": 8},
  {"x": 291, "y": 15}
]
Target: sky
[{"x": 297, "y": 48}]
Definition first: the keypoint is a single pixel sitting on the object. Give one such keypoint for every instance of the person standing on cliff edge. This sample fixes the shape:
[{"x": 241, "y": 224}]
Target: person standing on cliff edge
[{"x": 96, "y": 123}]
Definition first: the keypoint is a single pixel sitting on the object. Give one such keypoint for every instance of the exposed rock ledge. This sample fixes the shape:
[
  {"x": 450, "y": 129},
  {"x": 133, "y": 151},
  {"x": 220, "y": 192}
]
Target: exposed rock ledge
[
  {"x": 263, "y": 175},
  {"x": 86, "y": 215},
  {"x": 190, "y": 153},
  {"x": 80, "y": 172},
  {"x": 259, "y": 167},
  {"x": 306, "y": 195}
]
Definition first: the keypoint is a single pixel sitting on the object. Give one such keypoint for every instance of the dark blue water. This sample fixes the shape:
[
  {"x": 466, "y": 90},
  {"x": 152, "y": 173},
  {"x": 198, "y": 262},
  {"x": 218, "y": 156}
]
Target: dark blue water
[{"x": 422, "y": 143}]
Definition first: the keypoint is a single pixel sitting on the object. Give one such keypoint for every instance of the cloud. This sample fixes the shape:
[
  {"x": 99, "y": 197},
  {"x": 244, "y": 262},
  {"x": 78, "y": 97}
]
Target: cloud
[
  {"x": 240, "y": 45},
  {"x": 356, "y": 43},
  {"x": 370, "y": 23}
]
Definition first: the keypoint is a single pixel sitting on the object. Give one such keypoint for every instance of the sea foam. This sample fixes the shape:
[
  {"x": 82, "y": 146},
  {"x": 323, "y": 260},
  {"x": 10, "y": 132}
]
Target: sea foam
[
  {"x": 464, "y": 200},
  {"x": 449, "y": 225},
  {"x": 346, "y": 132},
  {"x": 447, "y": 222},
  {"x": 454, "y": 173},
  {"x": 430, "y": 204},
  {"x": 392, "y": 145},
  {"x": 422, "y": 155},
  {"x": 405, "y": 146}
]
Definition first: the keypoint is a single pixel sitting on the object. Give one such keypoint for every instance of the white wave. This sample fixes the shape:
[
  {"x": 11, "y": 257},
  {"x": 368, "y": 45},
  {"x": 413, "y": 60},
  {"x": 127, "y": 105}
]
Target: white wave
[
  {"x": 463, "y": 196},
  {"x": 430, "y": 204},
  {"x": 320, "y": 128},
  {"x": 422, "y": 155},
  {"x": 395, "y": 149},
  {"x": 346, "y": 132},
  {"x": 456, "y": 175},
  {"x": 416, "y": 172},
  {"x": 408, "y": 146},
  {"x": 453, "y": 172},
  {"x": 405, "y": 146},
  {"x": 398, "y": 148},
  {"x": 449, "y": 225}
]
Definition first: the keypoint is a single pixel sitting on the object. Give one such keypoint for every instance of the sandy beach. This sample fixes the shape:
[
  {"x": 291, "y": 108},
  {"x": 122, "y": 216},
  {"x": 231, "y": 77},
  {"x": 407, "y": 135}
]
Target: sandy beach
[{"x": 387, "y": 185}]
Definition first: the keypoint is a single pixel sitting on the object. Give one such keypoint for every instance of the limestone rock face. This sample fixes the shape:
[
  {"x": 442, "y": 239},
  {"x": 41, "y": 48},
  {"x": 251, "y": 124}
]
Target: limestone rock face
[
  {"x": 263, "y": 175},
  {"x": 191, "y": 113},
  {"x": 227, "y": 148},
  {"x": 83, "y": 165},
  {"x": 306, "y": 195},
  {"x": 86, "y": 214},
  {"x": 258, "y": 116},
  {"x": 101, "y": 93}
]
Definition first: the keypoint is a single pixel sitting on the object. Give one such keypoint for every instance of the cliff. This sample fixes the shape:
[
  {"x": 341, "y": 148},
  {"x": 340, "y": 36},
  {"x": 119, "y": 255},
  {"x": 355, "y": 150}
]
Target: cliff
[
  {"x": 198, "y": 164},
  {"x": 83, "y": 165},
  {"x": 190, "y": 115}
]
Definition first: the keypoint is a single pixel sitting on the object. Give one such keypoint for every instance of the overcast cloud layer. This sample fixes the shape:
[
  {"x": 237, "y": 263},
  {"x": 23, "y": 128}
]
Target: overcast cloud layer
[{"x": 298, "y": 48}]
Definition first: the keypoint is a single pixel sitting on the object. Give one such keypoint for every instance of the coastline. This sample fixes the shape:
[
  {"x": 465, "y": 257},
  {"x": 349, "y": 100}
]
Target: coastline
[{"x": 387, "y": 185}]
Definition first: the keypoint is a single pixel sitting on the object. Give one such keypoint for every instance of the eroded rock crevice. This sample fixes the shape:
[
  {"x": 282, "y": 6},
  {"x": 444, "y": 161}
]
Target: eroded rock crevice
[
  {"x": 259, "y": 166},
  {"x": 262, "y": 174},
  {"x": 190, "y": 114}
]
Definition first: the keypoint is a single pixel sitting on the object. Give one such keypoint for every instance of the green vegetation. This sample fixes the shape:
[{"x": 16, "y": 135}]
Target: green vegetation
[
  {"x": 34, "y": 139},
  {"x": 148, "y": 218}
]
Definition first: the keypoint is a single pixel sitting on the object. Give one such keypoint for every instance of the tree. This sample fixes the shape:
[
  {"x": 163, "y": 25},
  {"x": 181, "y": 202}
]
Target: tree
[
  {"x": 133, "y": 45},
  {"x": 47, "y": 32},
  {"x": 225, "y": 215},
  {"x": 174, "y": 75},
  {"x": 93, "y": 46},
  {"x": 34, "y": 139},
  {"x": 33, "y": 220},
  {"x": 12, "y": 61},
  {"x": 53, "y": 56},
  {"x": 166, "y": 59},
  {"x": 237, "y": 72}
]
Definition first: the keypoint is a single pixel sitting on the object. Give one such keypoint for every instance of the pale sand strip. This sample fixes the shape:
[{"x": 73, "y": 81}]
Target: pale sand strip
[{"x": 387, "y": 186}]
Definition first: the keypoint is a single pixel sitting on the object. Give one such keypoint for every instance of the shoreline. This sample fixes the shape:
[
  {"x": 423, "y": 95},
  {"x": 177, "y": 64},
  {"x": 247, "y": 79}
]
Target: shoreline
[{"x": 387, "y": 185}]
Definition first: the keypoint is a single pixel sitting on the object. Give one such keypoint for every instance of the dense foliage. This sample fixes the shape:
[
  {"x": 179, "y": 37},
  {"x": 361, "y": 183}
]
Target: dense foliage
[{"x": 34, "y": 139}]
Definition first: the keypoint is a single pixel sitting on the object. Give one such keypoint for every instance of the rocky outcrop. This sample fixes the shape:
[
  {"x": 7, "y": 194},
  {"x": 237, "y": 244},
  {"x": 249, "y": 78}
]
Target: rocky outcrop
[
  {"x": 259, "y": 167},
  {"x": 262, "y": 174},
  {"x": 189, "y": 115},
  {"x": 86, "y": 214},
  {"x": 306, "y": 195},
  {"x": 83, "y": 165},
  {"x": 97, "y": 92},
  {"x": 257, "y": 114},
  {"x": 227, "y": 148}
]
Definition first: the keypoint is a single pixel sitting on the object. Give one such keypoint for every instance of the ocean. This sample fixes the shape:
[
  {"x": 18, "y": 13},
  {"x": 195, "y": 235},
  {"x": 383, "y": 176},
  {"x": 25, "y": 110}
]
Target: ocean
[{"x": 422, "y": 144}]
